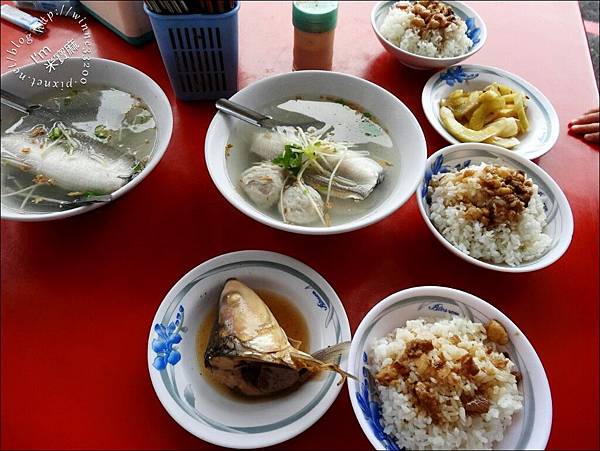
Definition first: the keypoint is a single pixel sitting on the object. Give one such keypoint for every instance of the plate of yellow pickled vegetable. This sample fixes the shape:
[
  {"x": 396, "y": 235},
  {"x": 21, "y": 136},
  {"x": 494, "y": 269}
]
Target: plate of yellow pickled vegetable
[{"x": 483, "y": 104}]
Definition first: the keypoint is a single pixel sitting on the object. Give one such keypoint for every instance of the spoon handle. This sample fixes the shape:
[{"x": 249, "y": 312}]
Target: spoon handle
[
  {"x": 15, "y": 102},
  {"x": 22, "y": 105},
  {"x": 243, "y": 113}
]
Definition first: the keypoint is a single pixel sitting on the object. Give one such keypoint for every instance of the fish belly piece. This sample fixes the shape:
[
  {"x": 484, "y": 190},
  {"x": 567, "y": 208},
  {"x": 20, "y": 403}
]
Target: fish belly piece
[
  {"x": 76, "y": 172},
  {"x": 356, "y": 177},
  {"x": 361, "y": 170},
  {"x": 267, "y": 145}
]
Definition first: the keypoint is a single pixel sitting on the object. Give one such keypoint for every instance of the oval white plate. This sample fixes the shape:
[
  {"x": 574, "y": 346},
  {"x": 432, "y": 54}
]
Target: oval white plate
[
  {"x": 559, "y": 217},
  {"x": 530, "y": 427},
  {"x": 543, "y": 120},
  {"x": 185, "y": 393}
]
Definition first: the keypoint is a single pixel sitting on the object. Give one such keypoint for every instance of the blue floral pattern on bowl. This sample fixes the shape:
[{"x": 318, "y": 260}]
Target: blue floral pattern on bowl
[
  {"x": 372, "y": 410},
  {"x": 172, "y": 357},
  {"x": 438, "y": 167},
  {"x": 456, "y": 74},
  {"x": 473, "y": 32},
  {"x": 320, "y": 303},
  {"x": 165, "y": 344}
]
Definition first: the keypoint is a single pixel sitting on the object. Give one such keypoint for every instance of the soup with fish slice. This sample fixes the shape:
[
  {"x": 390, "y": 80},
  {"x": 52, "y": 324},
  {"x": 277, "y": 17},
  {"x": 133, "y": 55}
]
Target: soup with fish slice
[
  {"x": 108, "y": 138},
  {"x": 325, "y": 174}
]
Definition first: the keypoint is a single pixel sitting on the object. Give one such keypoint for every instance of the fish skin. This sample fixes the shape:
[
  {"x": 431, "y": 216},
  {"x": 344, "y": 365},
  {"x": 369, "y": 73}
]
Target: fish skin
[
  {"x": 361, "y": 170},
  {"x": 249, "y": 352},
  {"x": 75, "y": 172},
  {"x": 356, "y": 177}
]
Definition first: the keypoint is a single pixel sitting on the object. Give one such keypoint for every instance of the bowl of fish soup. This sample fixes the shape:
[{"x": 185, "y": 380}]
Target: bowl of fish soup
[
  {"x": 358, "y": 168},
  {"x": 181, "y": 338},
  {"x": 123, "y": 123}
]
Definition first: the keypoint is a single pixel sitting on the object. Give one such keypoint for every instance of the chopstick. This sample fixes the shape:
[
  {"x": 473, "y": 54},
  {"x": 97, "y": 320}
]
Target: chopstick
[{"x": 179, "y": 7}]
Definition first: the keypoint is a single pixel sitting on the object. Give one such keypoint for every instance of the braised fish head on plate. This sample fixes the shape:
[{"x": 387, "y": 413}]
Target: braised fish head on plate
[{"x": 249, "y": 352}]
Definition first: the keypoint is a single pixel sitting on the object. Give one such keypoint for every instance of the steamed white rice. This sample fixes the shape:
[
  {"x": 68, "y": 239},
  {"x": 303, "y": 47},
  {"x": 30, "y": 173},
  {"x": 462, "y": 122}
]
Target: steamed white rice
[
  {"x": 450, "y": 42},
  {"x": 510, "y": 244},
  {"x": 410, "y": 425}
]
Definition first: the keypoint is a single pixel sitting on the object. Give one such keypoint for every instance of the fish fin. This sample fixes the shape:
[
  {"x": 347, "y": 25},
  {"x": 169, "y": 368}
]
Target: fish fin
[
  {"x": 341, "y": 187},
  {"x": 295, "y": 343},
  {"x": 316, "y": 365},
  {"x": 332, "y": 353}
]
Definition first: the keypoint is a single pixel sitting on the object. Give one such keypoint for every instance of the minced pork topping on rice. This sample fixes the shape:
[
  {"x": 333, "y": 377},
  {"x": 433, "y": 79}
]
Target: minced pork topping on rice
[
  {"x": 490, "y": 212},
  {"x": 445, "y": 384},
  {"x": 427, "y": 28}
]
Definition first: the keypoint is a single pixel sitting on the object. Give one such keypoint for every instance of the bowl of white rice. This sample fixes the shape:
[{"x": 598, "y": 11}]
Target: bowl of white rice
[
  {"x": 494, "y": 208},
  {"x": 439, "y": 368},
  {"x": 428, "y": 35}
]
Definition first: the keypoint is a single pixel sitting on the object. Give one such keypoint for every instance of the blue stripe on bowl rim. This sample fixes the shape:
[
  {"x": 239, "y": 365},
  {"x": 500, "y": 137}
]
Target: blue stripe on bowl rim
[
  {"x": 468, "y": 312},
  {"x": 168, "y": 375}
]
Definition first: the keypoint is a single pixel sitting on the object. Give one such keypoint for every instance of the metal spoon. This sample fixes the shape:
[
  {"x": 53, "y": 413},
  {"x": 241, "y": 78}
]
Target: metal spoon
[
  {"x": 79, "y": 202},
  {"x": 22, "y": 105},
  {"x": 49, "y": 117},
  {"x": 260, "y": 120}
]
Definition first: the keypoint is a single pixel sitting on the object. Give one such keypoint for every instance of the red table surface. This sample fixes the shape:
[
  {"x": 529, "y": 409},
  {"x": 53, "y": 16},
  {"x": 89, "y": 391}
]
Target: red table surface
[{"x": 79, "y": 295}]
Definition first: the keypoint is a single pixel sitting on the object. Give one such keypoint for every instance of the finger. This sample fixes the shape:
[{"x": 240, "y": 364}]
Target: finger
[
  {"x": 585, "y": 128},
  {"x": 586, "y": 119},
  {"x": 592, "y": 137},
  {"x": 593, "y": 110}
]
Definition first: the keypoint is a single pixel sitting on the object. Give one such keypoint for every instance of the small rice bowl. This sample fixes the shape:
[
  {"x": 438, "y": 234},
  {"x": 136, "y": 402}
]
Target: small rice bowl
[
  {"x": 403, "y": 417},
  {"x": 449, "y": 42},
  {"x": 512, "y": 244}
]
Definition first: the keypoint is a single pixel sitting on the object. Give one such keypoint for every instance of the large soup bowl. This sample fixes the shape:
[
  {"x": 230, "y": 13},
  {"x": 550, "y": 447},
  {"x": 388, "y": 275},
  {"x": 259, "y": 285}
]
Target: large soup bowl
[
  {"x": 391, "y": 113},
  {"x": 104, "y": 73}
]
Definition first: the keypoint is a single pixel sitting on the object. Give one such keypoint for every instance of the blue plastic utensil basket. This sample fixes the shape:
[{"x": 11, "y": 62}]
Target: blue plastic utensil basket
[{"x": 200, "y": 52}]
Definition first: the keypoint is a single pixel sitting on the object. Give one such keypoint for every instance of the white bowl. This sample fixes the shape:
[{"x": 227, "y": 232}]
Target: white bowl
[
  {"x": 530, "y": 427},
  {"x": 558, "y": 212},
  {"x": 208, "y": 413},
  {"x": 105, "y": 73},
  {"x": 544, "y": 125},
  {"x": 413, "y": 61},
  {"x": 393, "y": 115}
]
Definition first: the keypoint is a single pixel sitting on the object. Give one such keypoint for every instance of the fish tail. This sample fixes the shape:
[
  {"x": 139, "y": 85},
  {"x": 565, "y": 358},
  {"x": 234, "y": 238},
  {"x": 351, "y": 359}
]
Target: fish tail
[{"x": 317, "y": 365}]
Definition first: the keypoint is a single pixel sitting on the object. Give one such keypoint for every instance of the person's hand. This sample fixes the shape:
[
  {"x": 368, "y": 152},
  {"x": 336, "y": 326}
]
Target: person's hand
[{"x": 587, "y": 125}]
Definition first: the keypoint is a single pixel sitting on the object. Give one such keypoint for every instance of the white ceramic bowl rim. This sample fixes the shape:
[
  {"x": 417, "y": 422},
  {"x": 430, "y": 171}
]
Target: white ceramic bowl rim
[
  {"x": 530, "y": 168},
  {"x": 163, "y": 134},
  {"x": 460, "y": 6},
  {"x": 539, "y": 395},
  {"x": 256, "y": 436},
  {"x": 372, "y": 217}
]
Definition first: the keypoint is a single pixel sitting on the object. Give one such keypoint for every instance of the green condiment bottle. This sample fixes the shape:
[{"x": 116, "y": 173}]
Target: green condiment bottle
[{"x": 314, "y": 29}]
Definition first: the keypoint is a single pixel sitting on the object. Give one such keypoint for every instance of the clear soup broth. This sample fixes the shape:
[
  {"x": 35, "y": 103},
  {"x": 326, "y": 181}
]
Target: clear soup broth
[
  {"x": 347, "y": 122},
  {"x": 110, "y": 127}
]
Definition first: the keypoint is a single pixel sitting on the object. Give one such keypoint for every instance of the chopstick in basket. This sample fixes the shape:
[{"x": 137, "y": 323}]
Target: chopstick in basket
[{"x": 178, "y": 7}]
